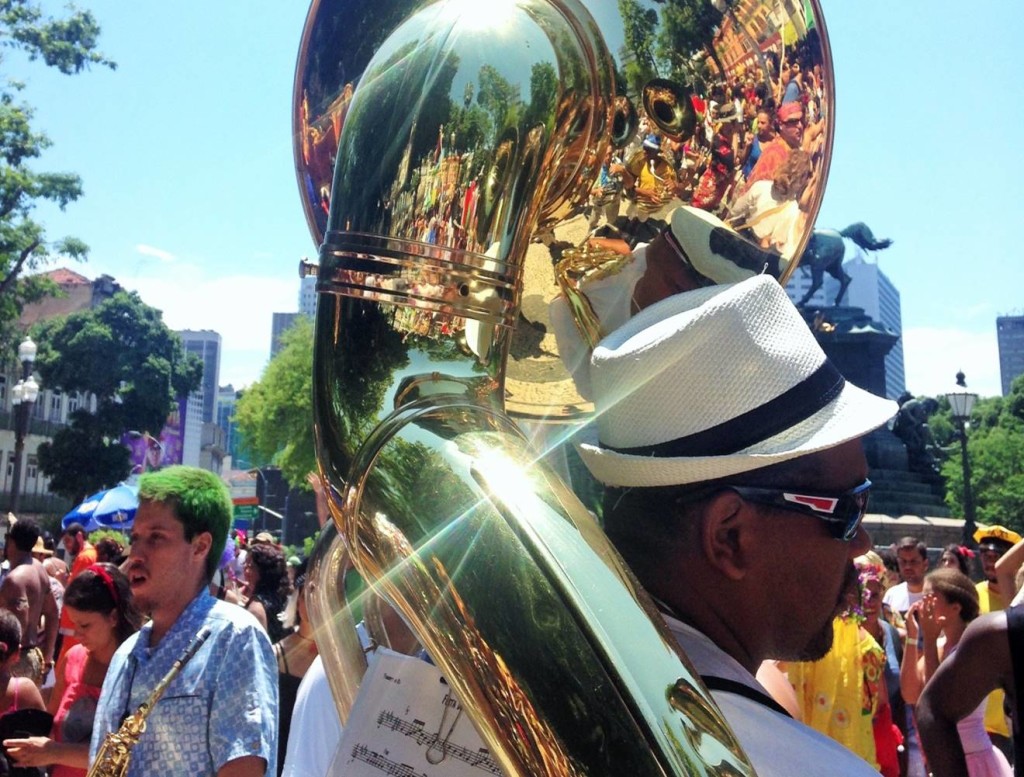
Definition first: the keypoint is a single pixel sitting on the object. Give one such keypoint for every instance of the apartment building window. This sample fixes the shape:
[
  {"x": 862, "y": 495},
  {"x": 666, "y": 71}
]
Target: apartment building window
[
  {"x": 32, "y": 468},
  {"x": 55, "y": 401}
]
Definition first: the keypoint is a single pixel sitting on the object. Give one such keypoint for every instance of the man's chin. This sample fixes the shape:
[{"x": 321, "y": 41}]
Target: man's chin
[{"x": 820, "y": 644}]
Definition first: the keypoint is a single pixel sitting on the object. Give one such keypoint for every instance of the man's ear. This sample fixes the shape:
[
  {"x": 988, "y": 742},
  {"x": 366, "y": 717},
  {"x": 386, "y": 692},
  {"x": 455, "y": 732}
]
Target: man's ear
[
  {"x": 202, "y": 543},
  {"x": 726, "y": 534}
]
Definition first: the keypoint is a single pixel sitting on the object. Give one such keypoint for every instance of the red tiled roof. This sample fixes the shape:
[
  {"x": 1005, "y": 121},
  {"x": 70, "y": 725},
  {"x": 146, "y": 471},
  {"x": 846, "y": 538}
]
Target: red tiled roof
[{"x": 65, "y": 277}]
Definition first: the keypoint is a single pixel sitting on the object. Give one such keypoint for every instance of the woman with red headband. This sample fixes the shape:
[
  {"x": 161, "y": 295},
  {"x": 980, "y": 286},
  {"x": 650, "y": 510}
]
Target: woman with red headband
[{"x": 99, "y": 603}]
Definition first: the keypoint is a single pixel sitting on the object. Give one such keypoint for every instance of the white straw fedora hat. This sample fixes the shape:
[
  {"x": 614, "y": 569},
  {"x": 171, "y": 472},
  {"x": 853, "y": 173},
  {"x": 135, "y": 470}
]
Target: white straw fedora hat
[{"x": 714, "y": 382}]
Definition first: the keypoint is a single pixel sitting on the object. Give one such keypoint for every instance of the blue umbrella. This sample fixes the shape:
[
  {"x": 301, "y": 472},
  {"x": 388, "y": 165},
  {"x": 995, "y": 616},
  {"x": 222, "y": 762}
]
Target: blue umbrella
[
  {"x": 83, "y": 513},
  {"x": 116, "y": 509}
]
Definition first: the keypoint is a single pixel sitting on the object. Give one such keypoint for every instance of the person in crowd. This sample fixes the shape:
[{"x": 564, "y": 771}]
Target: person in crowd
[
  {"x": 294, "y": 652},
  {"x": 266, "y": 580},
  {"x": 990, "y": 656},
  {"x": 58, "y": 572},
  {"x": 26, "y": 592},
  {"x": 100, "y": 605},
  {"x": 213, "y": 719},
  {"x": 763, "y": 133},
  {"x": 649, "y": 182},
  {"x": 993, "y": 544},
  {"x": 19, "y": 696},
  {"x": 769, "y": 211},
  {"x": 313, "y": 741},
  {"x": 789, "y": 136},
  {"x": 714, "y": 183},
  {"x": 315, "y": 727},
  {"x": 82, "y": 555},
  {"x": 839, "y": 692},
  {"x": 241, "y": 549},
  {"x": 956, "y": 556},
  {"x": 892, "y": 573},
  {"x": 44, "y": 556},
  {"x": 1008, "y": 573},
  {"x": 912, "y": 556},
  {"x": 40, "y": 552},
  {"x": 736, "y": 502},
  {"x": 606, "y": 194},
  {"x": 912, "y": 560},
  {"x": 792, "y": 83},
  {"x": 889, "y": 722},
  {"x": 949, "y": 604},
  {"x": 18, "y": 693},
  {"x": 110, "y": 551}
]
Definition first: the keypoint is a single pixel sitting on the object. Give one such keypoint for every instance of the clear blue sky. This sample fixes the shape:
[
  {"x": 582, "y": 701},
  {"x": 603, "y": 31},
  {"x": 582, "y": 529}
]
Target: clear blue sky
[{"x": 190, "y": 193}]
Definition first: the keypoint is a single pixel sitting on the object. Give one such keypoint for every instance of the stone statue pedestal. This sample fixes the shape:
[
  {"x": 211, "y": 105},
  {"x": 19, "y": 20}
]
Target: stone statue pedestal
[{"x": 857, "y": 345}]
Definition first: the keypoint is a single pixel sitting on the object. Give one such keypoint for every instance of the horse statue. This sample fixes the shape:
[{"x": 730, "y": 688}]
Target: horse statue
[{"x": 826, "y": 251}]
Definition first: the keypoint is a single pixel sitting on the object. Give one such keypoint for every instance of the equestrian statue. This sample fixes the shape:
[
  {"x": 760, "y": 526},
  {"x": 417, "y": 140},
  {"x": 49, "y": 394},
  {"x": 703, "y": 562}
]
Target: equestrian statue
[{"x": 826, "y": 250}]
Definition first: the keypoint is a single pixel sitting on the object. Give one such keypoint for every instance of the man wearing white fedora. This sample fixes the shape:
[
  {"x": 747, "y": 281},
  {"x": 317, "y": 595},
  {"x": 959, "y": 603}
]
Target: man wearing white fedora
[{"x": 735, "y": 488}]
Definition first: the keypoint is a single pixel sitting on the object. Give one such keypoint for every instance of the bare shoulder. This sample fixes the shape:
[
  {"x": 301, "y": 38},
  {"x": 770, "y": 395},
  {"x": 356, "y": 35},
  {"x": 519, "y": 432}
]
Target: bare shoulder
[
  {"x": 988, "y": 628},
  {"x": 19, "y": 579}
]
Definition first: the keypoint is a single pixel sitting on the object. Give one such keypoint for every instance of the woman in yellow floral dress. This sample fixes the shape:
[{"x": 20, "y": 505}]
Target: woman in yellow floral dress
[{"x": 840, "y": 694}]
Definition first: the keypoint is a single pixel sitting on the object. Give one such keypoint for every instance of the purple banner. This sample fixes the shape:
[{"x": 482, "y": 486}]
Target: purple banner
[{"x": 149, "y": 453}]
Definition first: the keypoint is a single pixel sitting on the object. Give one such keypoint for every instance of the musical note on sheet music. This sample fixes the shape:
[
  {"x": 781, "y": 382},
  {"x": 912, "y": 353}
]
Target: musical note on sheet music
[{"x": 406, "y": 722}]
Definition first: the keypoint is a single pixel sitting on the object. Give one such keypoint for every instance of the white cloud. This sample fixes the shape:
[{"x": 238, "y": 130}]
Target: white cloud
[
  {"x": 156, "y": 253},
  {"x": 238, "y": 307},
  {"x": 934, "y": 355}
]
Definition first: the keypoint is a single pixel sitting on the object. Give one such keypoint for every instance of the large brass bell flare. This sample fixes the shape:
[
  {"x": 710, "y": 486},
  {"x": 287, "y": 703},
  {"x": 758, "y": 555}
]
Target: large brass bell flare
[{"x": 668, "y": 106}]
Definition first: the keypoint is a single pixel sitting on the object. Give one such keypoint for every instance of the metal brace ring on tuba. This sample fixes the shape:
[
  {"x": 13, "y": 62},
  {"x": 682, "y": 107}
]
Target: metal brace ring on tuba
[{"x": 436, "y": 143}]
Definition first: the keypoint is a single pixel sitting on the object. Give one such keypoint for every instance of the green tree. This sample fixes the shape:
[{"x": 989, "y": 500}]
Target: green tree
[
  {"x": 69, "y": 45},
  {"x": 122, "y": 353},
  {"x": 995, "y": 449},
  {"x": 688, "y": 26},
  {"x": 275, "y": 414},
  {"x": 639, "y": 25}
]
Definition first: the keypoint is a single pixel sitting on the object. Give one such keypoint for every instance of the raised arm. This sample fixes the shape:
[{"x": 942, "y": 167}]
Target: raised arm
[
  {"x": 980, "y": 665},
  {"x": 912, "y": 668},
  {"x": 1006, "y": 570}
]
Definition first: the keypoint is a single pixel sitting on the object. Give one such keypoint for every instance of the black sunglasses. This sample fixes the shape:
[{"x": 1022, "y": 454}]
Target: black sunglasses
[{"x": 842, "y": 513}]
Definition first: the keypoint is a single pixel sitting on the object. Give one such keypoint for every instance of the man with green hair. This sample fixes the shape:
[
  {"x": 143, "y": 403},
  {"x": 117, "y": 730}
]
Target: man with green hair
[{"x": 219, "y": 715}]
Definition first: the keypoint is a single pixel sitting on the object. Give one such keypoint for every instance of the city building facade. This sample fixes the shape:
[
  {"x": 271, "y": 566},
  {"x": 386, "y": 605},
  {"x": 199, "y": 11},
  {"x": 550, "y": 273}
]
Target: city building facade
[
  {"x": 1010, "y": 337},
  {"x": 206, "y": 344}
]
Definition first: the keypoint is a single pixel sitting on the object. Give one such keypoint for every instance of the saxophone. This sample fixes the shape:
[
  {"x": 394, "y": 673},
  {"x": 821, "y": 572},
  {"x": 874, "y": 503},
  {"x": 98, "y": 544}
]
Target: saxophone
[{"x": 116, "y": 751}]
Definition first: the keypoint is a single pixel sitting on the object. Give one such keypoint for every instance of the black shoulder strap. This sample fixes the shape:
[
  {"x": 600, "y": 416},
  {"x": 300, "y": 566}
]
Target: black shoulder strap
[{"x": 741, "y": 689}]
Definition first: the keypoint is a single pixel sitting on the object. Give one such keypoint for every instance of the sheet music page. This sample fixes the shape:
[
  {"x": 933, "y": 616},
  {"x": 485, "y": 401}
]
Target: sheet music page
[{"x": 406, "y": 722}]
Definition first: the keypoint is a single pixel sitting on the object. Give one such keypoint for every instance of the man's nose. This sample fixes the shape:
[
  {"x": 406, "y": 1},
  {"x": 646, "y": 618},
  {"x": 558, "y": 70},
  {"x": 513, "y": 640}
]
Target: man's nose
[{"x": 861, "y": 542}]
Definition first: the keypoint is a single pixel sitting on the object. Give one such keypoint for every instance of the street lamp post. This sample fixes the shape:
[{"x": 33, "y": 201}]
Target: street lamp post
[
  {"x": 23, "y": 396},
  {"x": 962, "y": 402}
]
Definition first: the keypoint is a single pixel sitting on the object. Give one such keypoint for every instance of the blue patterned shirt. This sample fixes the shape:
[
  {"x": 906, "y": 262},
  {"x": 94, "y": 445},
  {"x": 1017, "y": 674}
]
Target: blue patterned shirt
[{"x": 222, "y": 706}]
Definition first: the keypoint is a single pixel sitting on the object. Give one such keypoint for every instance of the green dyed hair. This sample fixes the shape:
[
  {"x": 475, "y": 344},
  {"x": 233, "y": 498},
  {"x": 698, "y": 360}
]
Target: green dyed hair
[{"x": 200, "y": 500}]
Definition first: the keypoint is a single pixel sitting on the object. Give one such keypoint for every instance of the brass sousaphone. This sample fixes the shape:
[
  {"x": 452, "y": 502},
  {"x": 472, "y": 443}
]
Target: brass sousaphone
[{"x": 445, "y": 151}]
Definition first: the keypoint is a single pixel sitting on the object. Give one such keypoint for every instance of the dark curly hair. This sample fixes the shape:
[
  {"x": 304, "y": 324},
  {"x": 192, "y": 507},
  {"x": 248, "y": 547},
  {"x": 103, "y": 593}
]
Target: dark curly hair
[
  {"x": 273, "y": 572},
  {"x": 110, "y": 550}
]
